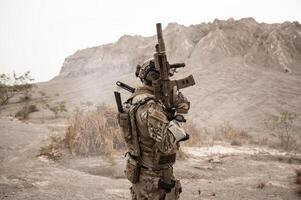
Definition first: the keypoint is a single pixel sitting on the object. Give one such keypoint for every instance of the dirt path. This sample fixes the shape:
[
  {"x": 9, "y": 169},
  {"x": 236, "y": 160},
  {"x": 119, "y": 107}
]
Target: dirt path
[{"x": 217, "y": 172}]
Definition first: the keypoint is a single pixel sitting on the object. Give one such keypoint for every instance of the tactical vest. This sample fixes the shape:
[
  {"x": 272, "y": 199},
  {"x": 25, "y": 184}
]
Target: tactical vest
[
  {"x": 127, "y": 122},
  {"x": 142, "y": 149}
]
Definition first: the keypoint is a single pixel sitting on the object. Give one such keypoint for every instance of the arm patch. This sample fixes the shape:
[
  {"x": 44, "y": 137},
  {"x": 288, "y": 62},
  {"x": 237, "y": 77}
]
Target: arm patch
[
  {"x": 157, "y": 124},
  {"x": 159, "y": 116}
]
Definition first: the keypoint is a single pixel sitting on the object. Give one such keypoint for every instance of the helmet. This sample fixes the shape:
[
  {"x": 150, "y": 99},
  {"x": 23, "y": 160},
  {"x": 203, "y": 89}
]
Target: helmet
[{"x": 147, "y": 72}]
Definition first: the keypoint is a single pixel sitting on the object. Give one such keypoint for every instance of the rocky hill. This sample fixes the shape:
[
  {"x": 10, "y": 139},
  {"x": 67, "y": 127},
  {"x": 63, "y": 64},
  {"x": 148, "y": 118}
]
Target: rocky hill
[
  {"x": 244, "y": 71},
  {"x": 273, "y": 46}
]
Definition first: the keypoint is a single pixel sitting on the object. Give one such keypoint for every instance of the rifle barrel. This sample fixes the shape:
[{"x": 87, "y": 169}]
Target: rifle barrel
[{"x": 160, "y": 37}]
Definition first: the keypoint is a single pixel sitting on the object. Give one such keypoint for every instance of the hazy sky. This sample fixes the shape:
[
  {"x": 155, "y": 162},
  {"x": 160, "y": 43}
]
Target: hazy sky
[{"x": 37, "y": 35}]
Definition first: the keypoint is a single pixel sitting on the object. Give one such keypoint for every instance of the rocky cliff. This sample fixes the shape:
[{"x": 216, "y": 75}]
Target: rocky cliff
[
  {"x": 244, "y": 71},
  {"x": 273, "y": 46}
]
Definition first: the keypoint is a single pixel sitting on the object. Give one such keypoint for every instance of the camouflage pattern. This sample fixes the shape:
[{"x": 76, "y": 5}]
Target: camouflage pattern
[
  {"x": 151, "y": 124},
  {"x": 147, "y": 188},
  {"x": 158, "y": 147}
]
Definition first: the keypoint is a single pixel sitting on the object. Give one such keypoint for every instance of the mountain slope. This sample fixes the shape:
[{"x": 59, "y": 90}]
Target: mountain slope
[
  {"x": 275, "y": 46},
  {"x": 244, "y": 71}
]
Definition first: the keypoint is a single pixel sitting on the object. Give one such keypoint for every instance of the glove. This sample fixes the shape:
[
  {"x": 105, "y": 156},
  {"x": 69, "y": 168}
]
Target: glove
[{"x": 182, "y": 104}]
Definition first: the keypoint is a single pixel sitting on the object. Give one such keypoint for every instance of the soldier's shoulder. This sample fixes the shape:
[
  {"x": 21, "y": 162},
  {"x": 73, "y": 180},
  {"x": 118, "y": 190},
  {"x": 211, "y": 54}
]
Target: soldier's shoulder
[
  {"x": 142, "y": 98},
  {"x": 142, "y": 94}
]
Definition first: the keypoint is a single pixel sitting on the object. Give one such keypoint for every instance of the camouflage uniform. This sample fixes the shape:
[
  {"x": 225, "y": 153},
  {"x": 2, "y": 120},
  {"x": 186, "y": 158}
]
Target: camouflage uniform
[
  {"x": 152, "y": 139},
  {"x": 159, "y": 141}
]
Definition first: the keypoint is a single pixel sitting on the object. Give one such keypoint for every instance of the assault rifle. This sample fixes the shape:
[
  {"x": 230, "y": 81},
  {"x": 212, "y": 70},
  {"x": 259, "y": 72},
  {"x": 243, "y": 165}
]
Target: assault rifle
[{"x": 164, "y": 88}]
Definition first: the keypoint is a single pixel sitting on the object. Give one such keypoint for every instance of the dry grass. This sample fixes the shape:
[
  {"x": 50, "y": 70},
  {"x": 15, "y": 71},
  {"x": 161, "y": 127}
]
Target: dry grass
[
  {"x": 226, "y": 132},
  {"x": 54, "y": 150},
  {"x": 196, "y": 138},
  {"x": 260, "y": 185},
  {"x": 235, "y": 136},
  {"x": 95, "y": 132},
  {"x": 25, "y": 98},
  {"x": 88, "y": 133},
  {"x": 196, "y": 135}
]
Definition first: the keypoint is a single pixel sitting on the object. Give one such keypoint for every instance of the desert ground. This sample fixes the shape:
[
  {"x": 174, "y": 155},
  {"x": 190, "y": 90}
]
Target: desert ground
[{"x": 212, "y": 171}]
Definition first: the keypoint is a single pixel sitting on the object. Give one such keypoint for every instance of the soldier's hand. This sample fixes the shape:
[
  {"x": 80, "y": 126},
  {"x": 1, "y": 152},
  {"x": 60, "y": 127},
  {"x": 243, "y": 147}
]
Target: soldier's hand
[{"x": 182, "y": 104}]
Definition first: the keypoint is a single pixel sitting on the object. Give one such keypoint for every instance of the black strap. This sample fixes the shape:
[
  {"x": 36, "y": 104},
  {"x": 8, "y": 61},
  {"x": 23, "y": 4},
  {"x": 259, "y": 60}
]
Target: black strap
[
  {"x": 134, "y": 128},
  {"x": 165, "y": 159},
  {"x": 143, "y": 101},
  {"x": 166, "y": 186}
]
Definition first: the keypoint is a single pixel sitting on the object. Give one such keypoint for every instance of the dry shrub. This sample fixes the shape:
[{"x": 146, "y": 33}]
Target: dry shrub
[
  {"x": 95, "y": 132},
  {"x": 25, "y": 98},
  {"x": 235, "y": 136},
  {"x": 196, "y": 136},
  {"x": 282, "y": 126},
  {"x": 236, "y": 143},
  {"x": 25, "y": 111},
  {"x": 260, "y": 185},
  {"x": 42, "y": 93},
  {"x": 88, "y": 133},
  {"x": 58, "y": 108},
  {"x": 54, "y": 149}
]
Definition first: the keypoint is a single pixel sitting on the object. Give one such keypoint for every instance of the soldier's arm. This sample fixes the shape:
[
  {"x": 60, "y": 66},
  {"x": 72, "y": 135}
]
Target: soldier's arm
[
  {"x": 182, "y": 104},
  {"x": 166, "y": 134}
]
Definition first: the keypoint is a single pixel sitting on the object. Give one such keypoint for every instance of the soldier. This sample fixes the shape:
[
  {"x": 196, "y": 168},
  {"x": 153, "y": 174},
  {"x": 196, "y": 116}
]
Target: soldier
[
  {"x": 151, "y": 125},
  {"x": 158, "y": 141}
]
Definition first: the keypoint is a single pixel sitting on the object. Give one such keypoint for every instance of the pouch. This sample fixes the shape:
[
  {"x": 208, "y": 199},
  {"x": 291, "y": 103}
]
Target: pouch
[
  {"x": 132, "y": 171},
  {"x": 175, "y": 192},
  {"x": 124, "y": 123}
]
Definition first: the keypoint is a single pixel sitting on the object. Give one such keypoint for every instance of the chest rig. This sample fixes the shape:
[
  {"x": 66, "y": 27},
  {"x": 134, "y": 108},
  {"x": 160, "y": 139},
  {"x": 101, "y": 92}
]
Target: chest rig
[
  {"x": 142, "y": 146},
  {"x": 128, "y": 123}
]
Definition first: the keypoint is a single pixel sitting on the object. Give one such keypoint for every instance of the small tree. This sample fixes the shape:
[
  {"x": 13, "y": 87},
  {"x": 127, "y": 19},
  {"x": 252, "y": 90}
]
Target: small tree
[
  {"x": 11, "y": 86},
  {"x": 282, "y": 126}
]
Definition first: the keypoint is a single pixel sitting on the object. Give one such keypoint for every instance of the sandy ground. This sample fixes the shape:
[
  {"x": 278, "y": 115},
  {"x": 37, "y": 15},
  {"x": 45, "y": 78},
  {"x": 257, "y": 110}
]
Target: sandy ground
[{"x": 210, "y": 172}]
